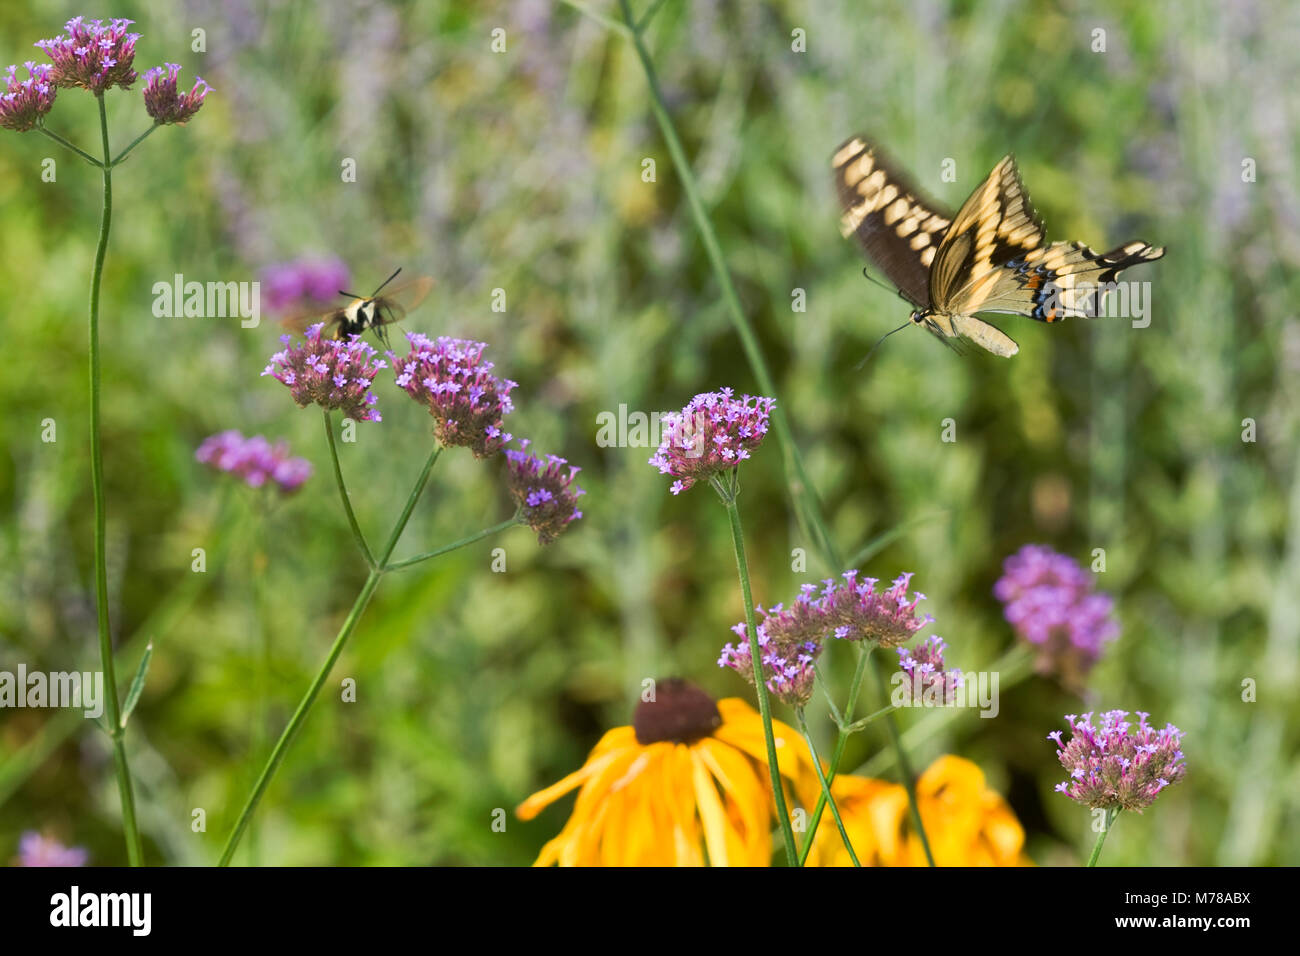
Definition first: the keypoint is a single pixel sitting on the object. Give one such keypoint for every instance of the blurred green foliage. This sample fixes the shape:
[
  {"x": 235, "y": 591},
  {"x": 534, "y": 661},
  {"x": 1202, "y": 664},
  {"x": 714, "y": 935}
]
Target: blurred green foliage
[{"x": 523, "y": 171}]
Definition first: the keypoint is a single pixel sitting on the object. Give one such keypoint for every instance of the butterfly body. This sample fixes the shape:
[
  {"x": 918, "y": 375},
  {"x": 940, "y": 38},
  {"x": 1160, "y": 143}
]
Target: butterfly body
[{"x": 992, "y": 256}]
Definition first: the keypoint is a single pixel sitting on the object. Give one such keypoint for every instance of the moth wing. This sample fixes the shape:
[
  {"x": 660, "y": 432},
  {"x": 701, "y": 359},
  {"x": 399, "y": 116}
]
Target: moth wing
[{"x": 393, "y": 305}]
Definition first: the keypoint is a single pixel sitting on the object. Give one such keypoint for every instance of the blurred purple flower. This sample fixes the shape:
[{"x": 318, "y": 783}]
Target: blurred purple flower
[
  {"x": 164, "y": 102},
  {"x": 1116, "y": 766},
  {"x": 303, "y": 282},
  {"x": 1050, "y": 602},
  {"x": 255, "y": 460},
  {"x": 92, "y": 54},
  {"x": 25, "y": 102},
  {"x": 37, "y": 850},
  {"x": 451, "y": 378},
  {"x": 789, "y": 672},
  {"x": 330, "y": 373},
  {"x": 714, "y": 433},
  {"x": 544, "y": 490},
  {"x": 926, "y": 679}
]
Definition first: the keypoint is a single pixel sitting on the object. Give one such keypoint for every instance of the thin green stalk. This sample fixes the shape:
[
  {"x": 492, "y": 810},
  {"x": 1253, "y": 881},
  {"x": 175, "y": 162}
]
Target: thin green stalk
[
  {"x": 115, "y": 730},
  {"x": 134, "y": 143},
  {"x": 826, "y": 795},
  {"x": 607, "y": 22},
  {"x": 860, "y": 725},
  {"x": 728, "y": 496},
  {"x": 299, "y": 715},
  {"x": 468, "y": 539},
  {"x": 349, "y": 625},
  {"x": 343, "y": 491},
  {"x": 905, "y": 771},
  {"x": 76, "y": 149},
  {"x": 1012, "y": 667},
  {"x": 807, "y": 505},
  {"x": 841, "y": 740},
  {"x": 1101, "y": 837}
]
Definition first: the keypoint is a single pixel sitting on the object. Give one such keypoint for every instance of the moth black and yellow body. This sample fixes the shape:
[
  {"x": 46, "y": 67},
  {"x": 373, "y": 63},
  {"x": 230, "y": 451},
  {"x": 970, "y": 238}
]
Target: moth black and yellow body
[
  {"x": 991, "y": 257},
  {"x": 369, "y": 313}
]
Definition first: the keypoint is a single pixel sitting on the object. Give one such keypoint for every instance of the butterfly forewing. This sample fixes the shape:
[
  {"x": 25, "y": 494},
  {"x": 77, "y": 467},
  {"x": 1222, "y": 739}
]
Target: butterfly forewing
[
  {"x": 996, "y": 224},
  {"x": 899, "y": 228}
]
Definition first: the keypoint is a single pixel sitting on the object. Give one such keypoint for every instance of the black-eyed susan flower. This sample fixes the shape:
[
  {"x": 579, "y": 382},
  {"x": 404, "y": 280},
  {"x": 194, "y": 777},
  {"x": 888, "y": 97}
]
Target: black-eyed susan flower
[
  {"x": 685, "y": 785},
  {"x": 968, "y": 824}
]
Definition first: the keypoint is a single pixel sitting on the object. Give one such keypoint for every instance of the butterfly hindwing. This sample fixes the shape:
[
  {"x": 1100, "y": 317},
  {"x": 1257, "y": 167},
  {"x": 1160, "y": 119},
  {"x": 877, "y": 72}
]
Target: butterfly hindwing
[
  {"x": 899, "y": 229},
  {"x": 1064, "y": 280}
]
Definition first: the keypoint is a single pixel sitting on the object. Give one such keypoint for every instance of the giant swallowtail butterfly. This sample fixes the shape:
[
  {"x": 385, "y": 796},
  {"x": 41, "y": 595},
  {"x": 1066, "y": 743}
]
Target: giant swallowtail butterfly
[{"x": 991, "y": 257}]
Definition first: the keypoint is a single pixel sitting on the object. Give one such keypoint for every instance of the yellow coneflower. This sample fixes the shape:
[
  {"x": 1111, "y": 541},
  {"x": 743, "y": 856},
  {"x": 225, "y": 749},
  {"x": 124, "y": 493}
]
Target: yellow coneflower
[
  {"x": 967, "y": 823},
  {"x": 685, "y": 785}
]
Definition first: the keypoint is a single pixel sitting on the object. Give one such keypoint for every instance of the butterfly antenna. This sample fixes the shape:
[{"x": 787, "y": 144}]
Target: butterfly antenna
[
  {"x": 386, "y": 281},
  {"x": 858, "y": 367},
  {"x": 882, "y": 285}
]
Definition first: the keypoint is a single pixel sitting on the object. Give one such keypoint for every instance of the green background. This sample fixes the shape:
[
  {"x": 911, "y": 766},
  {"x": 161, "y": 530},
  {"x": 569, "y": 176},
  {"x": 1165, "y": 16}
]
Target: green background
[{"x": 522, "y": 171}]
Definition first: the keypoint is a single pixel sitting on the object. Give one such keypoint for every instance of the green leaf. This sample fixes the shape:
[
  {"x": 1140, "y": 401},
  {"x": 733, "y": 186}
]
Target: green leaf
[{"x": 137, "y": 685}]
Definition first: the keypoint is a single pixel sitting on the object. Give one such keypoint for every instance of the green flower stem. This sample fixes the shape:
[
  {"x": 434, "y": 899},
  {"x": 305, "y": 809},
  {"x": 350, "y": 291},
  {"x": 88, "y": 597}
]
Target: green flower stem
[
  {"x": 807, "y": 505},
  {"x": 841, "y": 740},
  {"x": 607, "y": 22},
  {"x": 728, "y": 496},
  {"x": 377, "y": 571},
  {"x": 826, "y": 796},
  {"x": 905, "y": 770},
  {"x": 1013, "y": 667},
  {"x": 859, "y": 725},
  {"x": 134, "y": 852},
  {"x": 76, "y": 149},
  {"x": 134, "y": 143},
  {"x": 343, "y": 491},
  {"x": 469, "y": 539},
  {"x": 1101, "y": 837}
]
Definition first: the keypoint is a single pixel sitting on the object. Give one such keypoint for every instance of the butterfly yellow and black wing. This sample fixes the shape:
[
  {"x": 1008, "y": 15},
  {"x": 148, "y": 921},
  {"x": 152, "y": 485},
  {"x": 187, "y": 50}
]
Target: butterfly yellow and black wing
[
  {"x": 1064, "y": 280},
  {"x": 995, "y": 258},
  {"x": 899, "y": 228}
]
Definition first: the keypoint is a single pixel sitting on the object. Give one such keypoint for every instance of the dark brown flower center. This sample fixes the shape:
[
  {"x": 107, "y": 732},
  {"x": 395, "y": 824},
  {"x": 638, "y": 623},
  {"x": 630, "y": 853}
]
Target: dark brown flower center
[{"x": 679, "y": 712}]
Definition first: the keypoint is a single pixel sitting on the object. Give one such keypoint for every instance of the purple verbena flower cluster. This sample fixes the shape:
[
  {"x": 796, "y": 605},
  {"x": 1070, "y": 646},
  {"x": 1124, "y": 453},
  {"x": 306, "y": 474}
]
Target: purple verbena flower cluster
[
  {"x": 25, "y": 102},
  {"x": 288, "y": 285},
  {"x": 255, "y": 460},
  {"x": 789, "y": 671},
  {"x": 790, "y": 638},
  {"x": 37, "y": 850},
  {"x": 1050, "y": 602},
  {"x": 331, "y": 373},
  {"x": 714, "y": 433},
  {"x": 164, "y": 102},
  {"x": 452, "y": 379},
  {"x": 926, "y": 680},
  {"x": 1116, "y": 766},
  {"x": 92, "y": 54},
  {"x": 544, "y": 490}
]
